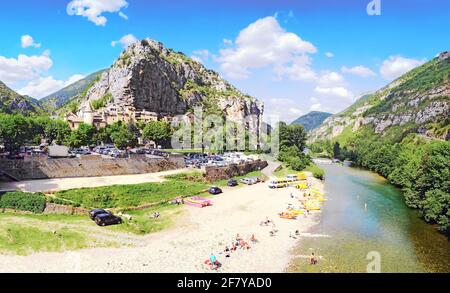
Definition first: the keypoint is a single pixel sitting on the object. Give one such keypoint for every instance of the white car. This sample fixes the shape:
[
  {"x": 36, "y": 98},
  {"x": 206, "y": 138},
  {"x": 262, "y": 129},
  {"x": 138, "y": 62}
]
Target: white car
[{"x": 247, "y": 181}]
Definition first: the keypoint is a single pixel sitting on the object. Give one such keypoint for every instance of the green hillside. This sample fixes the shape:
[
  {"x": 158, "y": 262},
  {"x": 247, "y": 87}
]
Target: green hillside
[
  {"x": 62, "y": 97},
  {"x": 13, "y": 103},
  {"x": 402, "y": 133}
]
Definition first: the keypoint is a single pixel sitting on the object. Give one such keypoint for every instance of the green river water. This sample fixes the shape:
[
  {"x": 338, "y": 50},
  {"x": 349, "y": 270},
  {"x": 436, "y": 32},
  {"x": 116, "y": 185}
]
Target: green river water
[{"x": 349, "y": 230}]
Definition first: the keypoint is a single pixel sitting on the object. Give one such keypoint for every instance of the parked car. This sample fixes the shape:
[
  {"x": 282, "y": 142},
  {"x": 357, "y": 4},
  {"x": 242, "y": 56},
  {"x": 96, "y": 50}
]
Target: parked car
[
  {"x": 96, "y": 212},
  {"x": 107, "y": 219},
  {"x": 215, "y": 190},
  {"x": 232, "y": 182},
  {"x": 247, "y": 181},
  {"x": 255, "y": 180}
]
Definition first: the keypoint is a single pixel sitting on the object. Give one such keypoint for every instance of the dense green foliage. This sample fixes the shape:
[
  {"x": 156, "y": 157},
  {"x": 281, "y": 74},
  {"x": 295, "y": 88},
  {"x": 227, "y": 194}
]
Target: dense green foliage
[
  {"x": 317, "y": 172},
  {"x": 83, "y": 135},
  {"x": 14, "y": 131},
  {"x": 312, "y": 120},
  {"x": 158, "y": 131},
  {"x": 421, "y": 168},
  {"x": 32, "y": 202},
  {"x": 122, "y": 135},
  {"x": 292, "y": 144},
  {"x": 17, "y": 130}
]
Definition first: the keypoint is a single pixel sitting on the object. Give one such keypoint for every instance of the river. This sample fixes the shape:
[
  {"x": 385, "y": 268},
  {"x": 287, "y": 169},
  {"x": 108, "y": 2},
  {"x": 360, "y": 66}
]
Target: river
[{"x": 363, "y": 214}]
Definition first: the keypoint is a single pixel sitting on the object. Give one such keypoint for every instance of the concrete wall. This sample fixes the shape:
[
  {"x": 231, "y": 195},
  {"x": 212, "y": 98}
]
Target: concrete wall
[
  {"x": 232, "y": 170},
  {"x": 87, "y": 166}
]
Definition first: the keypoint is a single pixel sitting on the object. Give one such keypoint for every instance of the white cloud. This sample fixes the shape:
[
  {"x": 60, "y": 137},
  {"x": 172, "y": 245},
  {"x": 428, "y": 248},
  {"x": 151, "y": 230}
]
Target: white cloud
[
  {"x": 125, "y": 41},
  {"x": 24, "y": 67},
  {"x": 298, "y": 69},
  {"x": 123, "y": 15},
  {"x": 329, "y": 54},
  {"x": 28, "y": 41},
  {"x": 228, "y": 42},
  {"x": 295, "y": 111},
  {"x": 339, "y": 91},
  {"x": 358, "y": 70},
  {"x": 265, "y": 43},
  {"x": 396, "y": 66},
  {"x": 330, "y": 78},
  {"x": 202, "y": 56},
  {"x": 282, "y": 108},
  {"x": 43, "y": 86},
  {"x": 315, "y": 107},
  {"x": 93, "y": 9}
]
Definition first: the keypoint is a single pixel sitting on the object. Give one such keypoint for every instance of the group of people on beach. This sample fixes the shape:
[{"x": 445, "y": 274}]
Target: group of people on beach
[{"x": 237, "y": 243}]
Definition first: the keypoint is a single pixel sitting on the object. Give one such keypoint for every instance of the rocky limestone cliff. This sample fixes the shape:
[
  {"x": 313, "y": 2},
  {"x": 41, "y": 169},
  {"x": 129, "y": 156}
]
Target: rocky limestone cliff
[
  {"x": 148, "y": 76},
  {"x": 415, "y": 102}
]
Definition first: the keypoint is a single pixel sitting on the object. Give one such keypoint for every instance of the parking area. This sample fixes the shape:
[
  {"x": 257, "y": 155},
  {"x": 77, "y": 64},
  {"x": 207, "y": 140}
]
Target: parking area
[{"x": 199, "y": 160}]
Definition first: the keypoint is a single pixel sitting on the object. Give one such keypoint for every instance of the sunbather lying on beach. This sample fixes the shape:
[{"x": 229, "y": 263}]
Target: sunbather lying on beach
[
  {"x": 244, "y": 245},
  {"x": 253, "y": 239}
]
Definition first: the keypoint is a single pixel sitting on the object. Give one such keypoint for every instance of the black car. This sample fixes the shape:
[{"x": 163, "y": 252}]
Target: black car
[
  {"x": 215, "y": 190},
  {"x": 107, "y": 219},
  {"x": 232, "y": 182},
  {"x": 96, "y": 212}
]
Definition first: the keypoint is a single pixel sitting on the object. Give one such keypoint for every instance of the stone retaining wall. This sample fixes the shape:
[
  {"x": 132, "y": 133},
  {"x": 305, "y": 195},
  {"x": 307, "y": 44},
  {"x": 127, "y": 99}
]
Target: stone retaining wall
[
  {"x": 87, "y": 166},
  {"x": 232, "y": 170},
  {"x": 52, "y": 208}
]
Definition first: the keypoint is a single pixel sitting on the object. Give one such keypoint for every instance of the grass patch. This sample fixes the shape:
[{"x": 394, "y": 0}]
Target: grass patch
[
  {"x": 123, "y": 196},
  {"x": 143, "y": 223},
  {"x": 283, "y": 171},
  {"x": 22, "y": 239}
]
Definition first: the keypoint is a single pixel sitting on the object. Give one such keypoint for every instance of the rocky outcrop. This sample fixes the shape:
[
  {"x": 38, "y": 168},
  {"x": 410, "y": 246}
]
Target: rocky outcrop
[{"x": 148, "y": 76}]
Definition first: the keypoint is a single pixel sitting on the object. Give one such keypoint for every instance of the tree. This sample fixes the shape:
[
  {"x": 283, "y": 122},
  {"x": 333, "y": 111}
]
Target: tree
[
  {"x": 83, "y": 135},
  {"x": 123, "y": 135},
  {"x": 336, "y": 150},
  {"x": 56, "y": 131},
  {"x": 15, "y": 130},
  {"x": 292, "y": 135},
  {"x": 158, "y": 131}
]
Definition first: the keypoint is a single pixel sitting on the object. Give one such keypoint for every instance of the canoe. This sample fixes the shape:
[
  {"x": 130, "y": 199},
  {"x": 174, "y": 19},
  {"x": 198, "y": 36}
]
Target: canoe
[{"x": 197, "y": 201}]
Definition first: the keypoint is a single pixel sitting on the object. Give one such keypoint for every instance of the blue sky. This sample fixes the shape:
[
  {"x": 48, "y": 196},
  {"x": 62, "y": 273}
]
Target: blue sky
[{"x": 296, "y": 55}]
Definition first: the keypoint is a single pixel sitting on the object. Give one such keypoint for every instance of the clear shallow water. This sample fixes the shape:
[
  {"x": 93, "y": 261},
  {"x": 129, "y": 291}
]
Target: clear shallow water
[{"x": 405, "y": 242}]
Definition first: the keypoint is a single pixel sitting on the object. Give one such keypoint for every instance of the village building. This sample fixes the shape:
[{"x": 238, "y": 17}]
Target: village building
[{"x": 112, "y": 113}]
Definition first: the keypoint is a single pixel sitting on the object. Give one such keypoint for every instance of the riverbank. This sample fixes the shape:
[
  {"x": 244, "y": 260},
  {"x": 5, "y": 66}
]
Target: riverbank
[
  {"x": 365, "y": 214},
  {"x": 197, "y": 234}
]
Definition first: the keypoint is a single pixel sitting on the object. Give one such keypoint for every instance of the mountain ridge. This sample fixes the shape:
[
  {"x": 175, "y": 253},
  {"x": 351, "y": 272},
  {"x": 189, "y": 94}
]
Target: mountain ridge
[
  {"x": 312, "y": 119},
  {"x": 411, "y": 103},
  {"x": 12, "y": 102}
]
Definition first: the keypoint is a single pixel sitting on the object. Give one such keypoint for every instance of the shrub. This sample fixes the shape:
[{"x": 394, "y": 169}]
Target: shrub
[
  {"x": 32, "y": 202},
  {"x": 317, "y": 172}
]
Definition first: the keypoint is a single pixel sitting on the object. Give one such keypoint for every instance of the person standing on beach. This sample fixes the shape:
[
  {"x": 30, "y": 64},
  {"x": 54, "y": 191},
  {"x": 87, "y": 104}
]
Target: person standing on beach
[{"x": 312, "y": 259}]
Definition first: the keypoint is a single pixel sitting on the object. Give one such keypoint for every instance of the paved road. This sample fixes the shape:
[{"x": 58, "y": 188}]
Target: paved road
[
  {"x": 56, "y": 184},
  {"x": 268, "y": 171}
]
